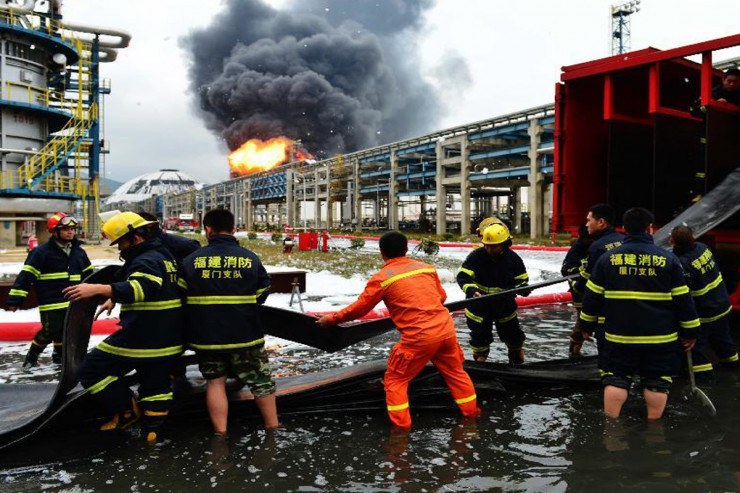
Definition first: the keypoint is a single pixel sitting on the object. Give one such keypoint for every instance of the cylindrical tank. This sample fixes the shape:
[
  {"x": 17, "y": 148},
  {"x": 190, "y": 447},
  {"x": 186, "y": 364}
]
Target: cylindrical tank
[{"x": 24, "y": 72}]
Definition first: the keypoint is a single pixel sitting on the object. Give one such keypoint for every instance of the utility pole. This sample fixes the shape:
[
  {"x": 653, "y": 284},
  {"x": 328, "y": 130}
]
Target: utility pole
[{"x": 621, "y": 41}]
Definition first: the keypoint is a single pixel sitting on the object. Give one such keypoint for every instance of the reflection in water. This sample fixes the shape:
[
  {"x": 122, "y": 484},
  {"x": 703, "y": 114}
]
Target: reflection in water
[{"x": 552, "y": 440}]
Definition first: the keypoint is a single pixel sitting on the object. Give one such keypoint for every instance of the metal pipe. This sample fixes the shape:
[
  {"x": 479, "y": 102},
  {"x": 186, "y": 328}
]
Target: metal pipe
[
  {"x": 5, "y": 150},
  {"x": 124, "y": 36},
  {"x": 105, "y": 46}
]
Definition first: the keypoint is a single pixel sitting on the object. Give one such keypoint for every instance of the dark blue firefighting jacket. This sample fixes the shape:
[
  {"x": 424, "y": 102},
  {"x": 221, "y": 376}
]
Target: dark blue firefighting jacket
[
  {"x": 151, "y": 308},
  {"x": 486, "y": 274},
  {"x": 50, "y": 270},
  {"x": 572, "y": 265},
  {"x": 179, "y": 246},
  {"x": 640, "y": 290},
  {"x": 225, "y": 284},
  {"x": 705, "y": 282},
  {"x": 605, "y": 240}
]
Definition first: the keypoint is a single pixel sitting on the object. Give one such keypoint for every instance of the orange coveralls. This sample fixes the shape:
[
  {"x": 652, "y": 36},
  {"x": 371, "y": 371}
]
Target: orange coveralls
[{"x": 414, "y": 297}]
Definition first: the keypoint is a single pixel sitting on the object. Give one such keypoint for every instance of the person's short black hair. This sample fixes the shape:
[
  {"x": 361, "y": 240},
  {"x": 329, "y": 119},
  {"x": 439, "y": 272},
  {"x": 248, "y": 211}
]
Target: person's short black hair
[
  {"x": 603, "y": 211},
  {"x": 637, "y": 220},
  {"x": 393, "y": 244},
  {"x": 682, "y": 236},
  {"x": 582, "y": 232},
  {"x": 219, "y": 220},
  {"x": 150, "y": 217},
  {"x": 732, "y": 71},
  {"x": 147, "y": 216}
]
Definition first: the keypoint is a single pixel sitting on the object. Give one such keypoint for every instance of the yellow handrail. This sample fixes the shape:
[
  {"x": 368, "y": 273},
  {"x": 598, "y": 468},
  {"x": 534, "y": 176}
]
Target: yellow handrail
[{"x": 66, "y": 139}]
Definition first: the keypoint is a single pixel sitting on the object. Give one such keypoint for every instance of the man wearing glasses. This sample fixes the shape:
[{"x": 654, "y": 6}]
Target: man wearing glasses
[{"x": 51, "y": 267}]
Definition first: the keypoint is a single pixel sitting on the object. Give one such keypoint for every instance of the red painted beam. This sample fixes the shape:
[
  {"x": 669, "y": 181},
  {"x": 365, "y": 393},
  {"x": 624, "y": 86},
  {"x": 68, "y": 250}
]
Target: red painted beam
[{"x": 636, "y": 59}]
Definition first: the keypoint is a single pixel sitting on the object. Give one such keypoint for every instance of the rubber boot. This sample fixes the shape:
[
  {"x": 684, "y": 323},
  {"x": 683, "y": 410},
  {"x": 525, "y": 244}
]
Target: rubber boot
[
  {"x": 151, "y": 425},
  {"x": 56, "y": 355},
  {"x": 516, "y": 356},
  {"x": 32, "y": 357},
  {"x": 124, "y": 419}
]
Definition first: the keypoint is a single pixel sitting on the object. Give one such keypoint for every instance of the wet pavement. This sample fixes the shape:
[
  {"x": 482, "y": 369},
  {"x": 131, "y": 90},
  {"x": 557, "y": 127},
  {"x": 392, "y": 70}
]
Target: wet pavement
[{"x": 545, "y": 440}]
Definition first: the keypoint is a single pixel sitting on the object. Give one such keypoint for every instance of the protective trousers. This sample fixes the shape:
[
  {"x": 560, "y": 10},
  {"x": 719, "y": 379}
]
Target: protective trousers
[
  {"x": 715, "y": 335},
  {"x": 405, "y": 362},
  {"x": 52, "y": 328},
  {"x": 480, "y": 322},
  {"x": 102, "y": 375}
]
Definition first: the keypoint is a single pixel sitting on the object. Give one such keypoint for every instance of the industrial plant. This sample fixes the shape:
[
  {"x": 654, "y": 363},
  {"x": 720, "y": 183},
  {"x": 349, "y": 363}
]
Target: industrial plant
[{"x": 51, "y": 145}]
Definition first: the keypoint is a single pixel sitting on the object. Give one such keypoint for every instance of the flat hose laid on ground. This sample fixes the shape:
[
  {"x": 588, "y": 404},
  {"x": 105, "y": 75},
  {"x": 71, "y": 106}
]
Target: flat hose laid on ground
[
  {"x": 27, "y": 409},
  {"x": 358, "y": 388}
]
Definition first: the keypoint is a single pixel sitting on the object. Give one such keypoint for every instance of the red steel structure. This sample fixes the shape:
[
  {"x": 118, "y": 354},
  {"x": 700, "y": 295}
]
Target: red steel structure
[{"x": 624, "y": 135}]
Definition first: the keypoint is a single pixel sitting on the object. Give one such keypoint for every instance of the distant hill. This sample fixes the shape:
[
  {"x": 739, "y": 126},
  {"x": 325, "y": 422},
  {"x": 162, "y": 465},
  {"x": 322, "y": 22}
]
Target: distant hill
[{"x": 108, "y": 186}]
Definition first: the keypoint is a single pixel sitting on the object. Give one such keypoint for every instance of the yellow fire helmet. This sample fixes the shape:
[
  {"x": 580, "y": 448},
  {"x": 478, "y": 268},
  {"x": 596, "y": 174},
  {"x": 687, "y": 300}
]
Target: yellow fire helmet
[
  {"x": 496, "y": 234},
  {"x": 489, "y": 221},
  {"x": 117, "y": 224}
]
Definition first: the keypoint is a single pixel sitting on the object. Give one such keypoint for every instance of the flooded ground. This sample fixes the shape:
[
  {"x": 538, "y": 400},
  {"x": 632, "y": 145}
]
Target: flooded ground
[
  {"x": 535, "y": 441},
  {"x": 545, "y": 440}
]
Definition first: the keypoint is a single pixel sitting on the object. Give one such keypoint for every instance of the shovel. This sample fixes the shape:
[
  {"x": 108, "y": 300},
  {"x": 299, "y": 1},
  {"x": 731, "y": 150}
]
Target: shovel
[{"x": 696, "y": 391}]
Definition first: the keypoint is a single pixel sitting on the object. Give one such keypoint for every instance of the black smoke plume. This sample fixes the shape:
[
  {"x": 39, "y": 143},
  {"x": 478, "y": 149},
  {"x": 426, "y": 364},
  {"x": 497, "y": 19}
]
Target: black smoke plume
[{"x": 339, "y": 75}]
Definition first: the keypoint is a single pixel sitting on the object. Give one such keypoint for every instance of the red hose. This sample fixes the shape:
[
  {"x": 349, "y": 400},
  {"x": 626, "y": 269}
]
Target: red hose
[{"x": 24, "y": 331}]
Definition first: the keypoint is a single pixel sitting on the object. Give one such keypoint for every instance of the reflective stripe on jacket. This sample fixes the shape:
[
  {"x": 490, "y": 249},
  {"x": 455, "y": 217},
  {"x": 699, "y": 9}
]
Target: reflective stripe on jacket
[
  {"x": 151, "y": 307},
  {"x": 224, "y": 284},
  {"x": 640, "y": 291},
  {"x": 705, "y": 282},
  {"x": 50, "y": 270},
  {"x": 414, "y": 297},
  {"x": 486, "y": 274}
]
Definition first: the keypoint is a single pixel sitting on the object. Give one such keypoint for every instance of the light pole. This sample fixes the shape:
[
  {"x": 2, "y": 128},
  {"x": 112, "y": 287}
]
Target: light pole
[{"x": 621, "y": 39}]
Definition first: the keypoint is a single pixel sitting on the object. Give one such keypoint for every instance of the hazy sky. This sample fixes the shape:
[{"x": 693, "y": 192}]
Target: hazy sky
[{"x": 513, "y": 49}]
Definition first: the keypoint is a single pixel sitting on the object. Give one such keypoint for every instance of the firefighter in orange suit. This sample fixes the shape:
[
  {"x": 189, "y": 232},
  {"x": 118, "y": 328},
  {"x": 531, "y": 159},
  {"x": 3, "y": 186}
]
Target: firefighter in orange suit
[{"x": 414, "y": 297}]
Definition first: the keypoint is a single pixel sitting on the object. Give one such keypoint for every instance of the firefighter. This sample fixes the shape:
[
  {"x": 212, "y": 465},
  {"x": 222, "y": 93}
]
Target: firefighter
[
  {"x": 51, "y": 267},
  {"x": 150, "y": 337},
  {"x": 641, "y": 291},
  {"x": 604, "y": 237},
  {"x": 572, "y": 265},
  {"x": 711, "y": 299},
  {"x": 414, "y": 297},
  {"x": 493, "y": 269},
  {"x": 224, "y": 285},
  {"x": 179, "y": 246}
]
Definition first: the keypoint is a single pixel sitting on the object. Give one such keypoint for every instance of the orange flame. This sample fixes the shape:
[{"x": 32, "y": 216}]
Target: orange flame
[{"x": 257, "y": 155}]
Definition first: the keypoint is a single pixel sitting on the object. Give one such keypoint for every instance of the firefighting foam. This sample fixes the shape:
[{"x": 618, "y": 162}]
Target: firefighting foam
[{"x": 257, "y": 155}]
